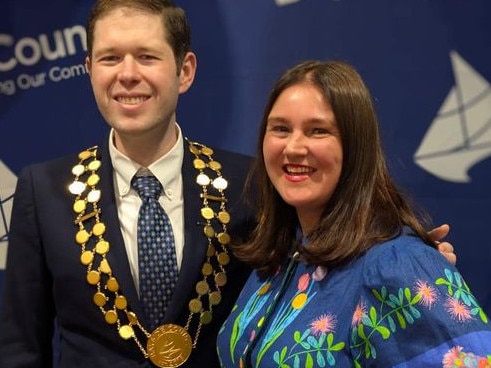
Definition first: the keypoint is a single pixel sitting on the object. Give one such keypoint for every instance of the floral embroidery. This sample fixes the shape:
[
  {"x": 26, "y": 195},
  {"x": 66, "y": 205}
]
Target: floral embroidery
[
  {"x": 303, "y": 282},
  {"x": 319, "y": 273},
  {"x": 458, "y": 310},
  {"x": 317, "y": 345},
  {"x": 427, "y": 293},
  {"x": 401, "y": 308},
  {"x": 247, "y": 314},
  {"x": 455, "y": 358},
  {"x": 311, "y": 344},
  {"x": 324, "y": 324},
  {"x": 464, "y": 303},
  {"x": 359, "y": 314},
  {"x": 398, "y": 307},
  {"x": 316, "y": 341},
  {"x": 286, "y": 314}
]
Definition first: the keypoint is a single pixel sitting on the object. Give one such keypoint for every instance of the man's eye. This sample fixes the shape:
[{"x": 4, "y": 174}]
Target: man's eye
[
  {"x": 109, "y": 58},
  {"x": 279, "y": 128},
  {"x": 147, "y": 57}
]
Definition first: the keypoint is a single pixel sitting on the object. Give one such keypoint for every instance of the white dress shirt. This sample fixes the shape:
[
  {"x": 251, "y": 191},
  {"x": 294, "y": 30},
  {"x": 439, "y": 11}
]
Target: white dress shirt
[{"x": 167, "y": 170}]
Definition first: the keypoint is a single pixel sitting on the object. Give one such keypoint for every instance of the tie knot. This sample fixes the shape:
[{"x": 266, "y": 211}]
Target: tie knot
[{"x": 147, "y": 186}]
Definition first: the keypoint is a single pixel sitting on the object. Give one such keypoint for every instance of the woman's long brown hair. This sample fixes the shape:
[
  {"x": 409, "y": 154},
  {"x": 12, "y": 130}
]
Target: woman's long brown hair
[{"x": 366, "y": 207}]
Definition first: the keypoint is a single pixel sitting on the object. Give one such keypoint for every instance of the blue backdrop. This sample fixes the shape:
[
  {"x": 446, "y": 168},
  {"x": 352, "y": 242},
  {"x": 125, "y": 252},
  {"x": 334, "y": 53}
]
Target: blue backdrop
[{"x": 427, "y": 62}]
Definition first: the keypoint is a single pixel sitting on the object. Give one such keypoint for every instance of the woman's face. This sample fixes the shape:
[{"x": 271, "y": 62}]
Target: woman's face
[{"x": 302, "y": 151}]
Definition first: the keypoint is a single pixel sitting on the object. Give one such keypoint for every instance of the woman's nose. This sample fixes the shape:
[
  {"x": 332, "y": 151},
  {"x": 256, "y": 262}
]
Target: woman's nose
[{"x": 296, "y": 144}]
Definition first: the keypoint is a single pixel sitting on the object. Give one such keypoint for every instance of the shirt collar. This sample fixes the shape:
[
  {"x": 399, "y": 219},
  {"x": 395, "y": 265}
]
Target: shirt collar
[{"x": 167, "y": 169}]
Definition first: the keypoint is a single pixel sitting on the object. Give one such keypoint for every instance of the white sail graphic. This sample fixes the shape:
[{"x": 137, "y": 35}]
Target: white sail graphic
[
  {"x": 460, "y": 135},
  {"x": 7, "y": 187}
]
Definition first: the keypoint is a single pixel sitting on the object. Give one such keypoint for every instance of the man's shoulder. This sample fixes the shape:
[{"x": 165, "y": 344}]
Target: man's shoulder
[
  {"x": 62, "y": 161},
  {"x": 59, "y": 161}
]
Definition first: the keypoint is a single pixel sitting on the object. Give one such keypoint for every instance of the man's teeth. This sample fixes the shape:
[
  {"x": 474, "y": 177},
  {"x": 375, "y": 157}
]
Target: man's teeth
[{"x": 131, "y": 100}]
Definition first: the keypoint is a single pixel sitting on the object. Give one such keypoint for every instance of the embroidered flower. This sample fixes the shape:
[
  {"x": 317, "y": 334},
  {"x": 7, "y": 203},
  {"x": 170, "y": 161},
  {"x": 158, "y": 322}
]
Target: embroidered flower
[
  {"x": 264, "y": 289},
  {"x": 427, "y": 292},
  {"x": 285, "y": 314},
  {"x": 457, "y": 310},
  {"x": 324, "y": 324},
  {"x": 303, "y": 282},
  {"x": 299, "y": 301},
  {"x": 360, "y": 312},
  {"x": 455, "y": 357},
  {"x": 319, "y": 273},
  {"x": 260, "y": 322},
  {"x": 451, "y": 356},
  {"x": 253, "y": 335}
]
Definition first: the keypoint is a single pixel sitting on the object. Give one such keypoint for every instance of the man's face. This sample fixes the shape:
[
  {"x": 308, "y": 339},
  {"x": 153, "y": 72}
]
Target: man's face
[{"x": 133, "y": 74}]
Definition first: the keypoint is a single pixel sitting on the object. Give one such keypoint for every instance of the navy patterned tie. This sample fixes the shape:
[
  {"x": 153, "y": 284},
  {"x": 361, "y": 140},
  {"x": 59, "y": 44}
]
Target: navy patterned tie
[{"x": 157, "y": 263}]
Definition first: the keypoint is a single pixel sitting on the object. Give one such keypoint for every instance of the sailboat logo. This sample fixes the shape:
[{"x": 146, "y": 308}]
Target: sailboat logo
[
  {"x": 460, "y": 135},
  {"x": 7, "y": 188}
]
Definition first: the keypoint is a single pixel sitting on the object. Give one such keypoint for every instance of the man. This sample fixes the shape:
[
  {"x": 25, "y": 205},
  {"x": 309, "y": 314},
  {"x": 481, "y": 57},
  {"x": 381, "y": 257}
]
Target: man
[{"x": 73, "y": 242}]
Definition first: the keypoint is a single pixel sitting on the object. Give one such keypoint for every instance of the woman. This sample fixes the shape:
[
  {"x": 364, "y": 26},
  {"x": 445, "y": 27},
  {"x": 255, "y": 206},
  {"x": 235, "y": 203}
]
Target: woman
[{"x": 345, "y": 273}]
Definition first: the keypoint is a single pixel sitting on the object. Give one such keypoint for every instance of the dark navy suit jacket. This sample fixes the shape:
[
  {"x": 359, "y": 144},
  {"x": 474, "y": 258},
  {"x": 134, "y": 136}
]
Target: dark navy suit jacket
[{"x": 45, "y": 280}]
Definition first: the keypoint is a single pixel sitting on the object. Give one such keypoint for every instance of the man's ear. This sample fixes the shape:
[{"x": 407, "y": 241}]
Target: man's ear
[
  {"x": 87, "y": 65},
  {"x": 188, "y": 71}
]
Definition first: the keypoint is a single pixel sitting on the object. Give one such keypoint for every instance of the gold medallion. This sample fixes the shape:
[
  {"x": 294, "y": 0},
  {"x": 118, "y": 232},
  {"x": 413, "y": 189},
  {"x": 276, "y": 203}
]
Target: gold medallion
[{"x": 169, "y": 346}]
